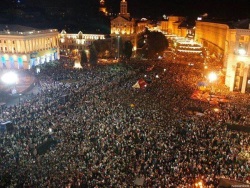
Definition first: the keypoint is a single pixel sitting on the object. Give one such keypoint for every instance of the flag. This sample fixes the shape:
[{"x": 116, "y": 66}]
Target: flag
[
  {"x": 140, "y": 84},
  {"x": 136, "y": 85},
  {"x": 150, "y": 68}
]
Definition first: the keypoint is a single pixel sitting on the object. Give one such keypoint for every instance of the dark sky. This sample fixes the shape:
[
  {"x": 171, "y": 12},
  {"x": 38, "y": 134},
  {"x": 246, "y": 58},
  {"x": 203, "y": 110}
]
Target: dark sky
[
  {"x": 193, "y": 8},
  {"x": 155, "y": 8}
]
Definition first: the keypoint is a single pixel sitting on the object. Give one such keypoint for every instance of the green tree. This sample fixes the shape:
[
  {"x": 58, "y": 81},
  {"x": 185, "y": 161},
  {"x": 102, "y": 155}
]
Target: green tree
[
  {"x": 84, "y": 59},
  {"x": 157, "y": 43},
  {"x": 102, "y": 46},
  {"x": 92, "y": 55},
  {"x": 127, "y": 51}
]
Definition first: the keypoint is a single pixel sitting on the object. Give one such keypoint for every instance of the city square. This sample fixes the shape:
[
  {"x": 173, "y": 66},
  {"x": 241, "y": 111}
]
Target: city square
[{"x": 149, "y": 106}]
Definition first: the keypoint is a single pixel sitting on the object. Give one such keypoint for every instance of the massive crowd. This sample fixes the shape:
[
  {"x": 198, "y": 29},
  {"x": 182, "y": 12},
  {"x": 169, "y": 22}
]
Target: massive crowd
[{"x": 104, "y": 133}]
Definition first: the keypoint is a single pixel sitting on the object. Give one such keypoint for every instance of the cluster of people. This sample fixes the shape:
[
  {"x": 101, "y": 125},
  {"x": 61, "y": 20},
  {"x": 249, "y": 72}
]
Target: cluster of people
[{"x": 105, "y": 133}]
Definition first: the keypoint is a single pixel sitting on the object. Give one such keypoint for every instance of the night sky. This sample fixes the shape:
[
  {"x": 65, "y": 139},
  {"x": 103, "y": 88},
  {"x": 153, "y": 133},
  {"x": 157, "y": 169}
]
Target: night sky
[
  {"x": 193, "y": 8},
  {"x": 236, "y": 9},
  {"x": 155, "y": 8}
]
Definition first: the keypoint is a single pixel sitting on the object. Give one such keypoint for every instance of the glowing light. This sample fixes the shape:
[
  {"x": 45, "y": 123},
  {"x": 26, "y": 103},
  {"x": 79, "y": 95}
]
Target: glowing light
[
  {"x": 50, "y": 130},
  {"x": 164, "y": 70},
  {"x": 77, "y": 64},
  {"x": 199, "y": 184},
  {"x": 216, "y": 109},
  {"x": 157, "y": 76},
  {"x": 10, "y": 78},
  {"x": 38, "y": 70},
  {"x": 242, "y": 51},
  {"x": 212, "y": 77}
]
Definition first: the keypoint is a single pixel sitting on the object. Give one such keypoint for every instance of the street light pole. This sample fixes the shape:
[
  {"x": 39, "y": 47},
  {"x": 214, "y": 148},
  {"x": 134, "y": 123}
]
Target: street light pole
[
  {"x": 20, "y": 94},
  {"x": 118, "y": 46}
]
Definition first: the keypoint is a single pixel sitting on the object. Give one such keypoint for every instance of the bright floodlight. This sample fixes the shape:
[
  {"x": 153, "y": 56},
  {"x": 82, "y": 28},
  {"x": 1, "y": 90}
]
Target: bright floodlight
[
  {"x": 212, "y": 77},
  {"x": 50, "y": 130},
  {"x": 242, "y": 51},
  {"x": 10, "y": 78}
]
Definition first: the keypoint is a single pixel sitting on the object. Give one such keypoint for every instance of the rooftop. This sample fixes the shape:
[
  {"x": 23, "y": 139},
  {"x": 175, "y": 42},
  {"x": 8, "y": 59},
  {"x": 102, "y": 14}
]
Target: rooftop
[{"x": 13, "y": 29}]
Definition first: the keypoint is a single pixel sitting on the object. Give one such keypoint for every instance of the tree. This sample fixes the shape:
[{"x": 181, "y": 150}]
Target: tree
[
  {"x": 92, "y": 55},
  {"x": 157, "y": 43},
  {"x": 127, "y": 49},
  {"x": 102, "y": 46},
  {"x": 84, "y": 59}
]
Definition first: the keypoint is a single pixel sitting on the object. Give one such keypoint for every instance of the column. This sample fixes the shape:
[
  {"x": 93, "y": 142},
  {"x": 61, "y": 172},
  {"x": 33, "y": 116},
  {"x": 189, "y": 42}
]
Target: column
[
  {"x": 44, "y": 44},
  {"x": 30, "y": 47},
  {"x": 244, "y": 81},
  {"x": 231, "y": 78},
  {"x": 33, "y": 44},
  {"x": 236, "y": 46},
  {"x": 248, "y": 48},
  {"x": 25, "y": 46},
  {"x": 18, "y": 46}
]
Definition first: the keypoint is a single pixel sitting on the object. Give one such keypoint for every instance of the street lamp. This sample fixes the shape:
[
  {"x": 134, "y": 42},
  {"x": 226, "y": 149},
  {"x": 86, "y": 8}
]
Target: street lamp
[
  {"x": 20, "y": 94},
  {"x": 9, "y": 78},
  {"x": 242, "y": 51},
  {"x": 118, "y": 46},
  {"x": 212, "y": 77}
]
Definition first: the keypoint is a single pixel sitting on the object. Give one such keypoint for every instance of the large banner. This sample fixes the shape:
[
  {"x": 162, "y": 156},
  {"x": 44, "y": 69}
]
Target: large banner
[{"x": 207, "y": 97}]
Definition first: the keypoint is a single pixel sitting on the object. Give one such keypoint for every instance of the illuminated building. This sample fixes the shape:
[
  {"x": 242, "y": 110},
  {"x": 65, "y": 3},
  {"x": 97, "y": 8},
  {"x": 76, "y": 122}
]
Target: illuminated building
[
  {"x": 170, "y": 25},
  {"x": 102, "y": 7},
  {"x": 228, "y": 44},
  {"x": 72, "y": 43},
  {"x": 126, "y": 28},
  {"x": 25, "y": 47}
]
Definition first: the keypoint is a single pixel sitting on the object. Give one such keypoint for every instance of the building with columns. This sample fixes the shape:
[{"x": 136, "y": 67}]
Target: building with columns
[
  {"x": 24, "y": 47},
  {"x": 229, "y": 45}
]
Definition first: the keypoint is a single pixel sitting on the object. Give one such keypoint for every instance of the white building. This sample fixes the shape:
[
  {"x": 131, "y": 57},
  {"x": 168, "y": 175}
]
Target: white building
[
  {"x": 25, "y": 47},
  {"x": 72, "y": 43}
]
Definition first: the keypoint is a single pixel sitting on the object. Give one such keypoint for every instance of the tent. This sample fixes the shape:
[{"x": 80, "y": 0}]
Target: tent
[{"x": 140, "y": 84}]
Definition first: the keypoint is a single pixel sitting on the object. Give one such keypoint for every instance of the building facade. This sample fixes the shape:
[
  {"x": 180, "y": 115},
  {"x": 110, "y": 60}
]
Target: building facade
[
  {"x": 229, "y": 44},
  {"x": 170, "y": 25},
  {"x": 23, "y": 47},
  {"x": 102, "y": 8},
  {"x": 73, "y": 43},
  {"x": 124, "y": 28}
]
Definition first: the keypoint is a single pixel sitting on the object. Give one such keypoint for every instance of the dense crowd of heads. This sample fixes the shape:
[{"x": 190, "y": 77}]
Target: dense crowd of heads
[{"x": 101, "y": 132}]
